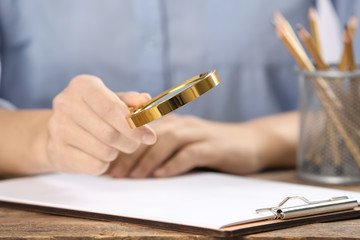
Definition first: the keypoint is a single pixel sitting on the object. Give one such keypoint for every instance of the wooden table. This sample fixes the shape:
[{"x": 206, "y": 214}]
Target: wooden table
[{"x": 17, "y": 224}]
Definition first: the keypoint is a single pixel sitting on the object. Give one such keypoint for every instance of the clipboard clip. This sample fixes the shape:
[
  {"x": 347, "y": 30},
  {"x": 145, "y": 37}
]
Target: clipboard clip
[{"x": 334, "y": 204}]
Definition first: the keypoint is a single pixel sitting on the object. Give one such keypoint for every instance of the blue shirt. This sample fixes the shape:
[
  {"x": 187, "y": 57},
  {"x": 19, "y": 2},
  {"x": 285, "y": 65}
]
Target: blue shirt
[{"x": 149, "y": 46}]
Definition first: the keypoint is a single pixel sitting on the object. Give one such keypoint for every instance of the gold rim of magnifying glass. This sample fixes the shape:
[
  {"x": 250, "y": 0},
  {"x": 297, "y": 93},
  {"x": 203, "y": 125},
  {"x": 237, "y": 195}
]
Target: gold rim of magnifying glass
[{"x": 200, "y": 85}]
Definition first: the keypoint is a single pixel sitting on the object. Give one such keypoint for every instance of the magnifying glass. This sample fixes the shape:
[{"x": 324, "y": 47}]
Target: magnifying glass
[{"x": 173, "y": 99}]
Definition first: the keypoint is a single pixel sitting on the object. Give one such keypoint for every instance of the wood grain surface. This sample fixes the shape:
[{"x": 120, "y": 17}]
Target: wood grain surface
[{"x": 18, "y": 224}]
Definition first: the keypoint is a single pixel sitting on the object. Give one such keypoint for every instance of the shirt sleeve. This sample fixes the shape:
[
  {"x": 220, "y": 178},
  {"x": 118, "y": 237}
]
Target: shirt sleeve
[
  {"x": 6, "y": 104},
  {"x": 3, "y": 103}
]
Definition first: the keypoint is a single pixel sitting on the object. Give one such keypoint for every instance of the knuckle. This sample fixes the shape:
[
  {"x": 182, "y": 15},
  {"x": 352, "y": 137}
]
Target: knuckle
[{"x": 84, "y": 83}]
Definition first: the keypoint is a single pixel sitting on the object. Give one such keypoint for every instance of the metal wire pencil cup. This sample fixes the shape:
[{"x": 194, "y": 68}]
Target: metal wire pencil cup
[{"x": 329, "y": 145}]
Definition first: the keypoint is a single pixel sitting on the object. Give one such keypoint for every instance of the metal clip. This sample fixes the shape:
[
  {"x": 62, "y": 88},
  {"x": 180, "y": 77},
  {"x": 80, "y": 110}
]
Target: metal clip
[{"x": 311, "y": 207}]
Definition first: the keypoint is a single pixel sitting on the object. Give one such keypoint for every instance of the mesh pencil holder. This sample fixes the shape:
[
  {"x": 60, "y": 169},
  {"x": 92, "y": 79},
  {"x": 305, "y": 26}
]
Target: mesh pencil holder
[{"x": 329, "y": 144}]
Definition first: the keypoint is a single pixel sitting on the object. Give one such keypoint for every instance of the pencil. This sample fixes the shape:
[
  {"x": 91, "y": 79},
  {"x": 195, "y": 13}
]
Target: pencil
[
  {"x": 349, "y": 49},
  {"x": 347, "y": 61},
  {"x": 325, "y": 94},
  {"x": 298, "y": 53},
  {"x": 293, "y": 41},
  {"x": 334, "y": 146},
  {"x": 353, "y": 148},
  {"x": 292, "y": 49},
  {"x": 284, "y": 32},
  {"x": 352, "y": 25},
  {"x": 343, "y": 62},
  {"x": 310, "y": 46},
  {"x": 313, "y": 23}
]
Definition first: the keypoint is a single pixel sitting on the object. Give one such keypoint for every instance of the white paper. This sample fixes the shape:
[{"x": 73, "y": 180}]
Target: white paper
[{"x": 207, "y": 200}]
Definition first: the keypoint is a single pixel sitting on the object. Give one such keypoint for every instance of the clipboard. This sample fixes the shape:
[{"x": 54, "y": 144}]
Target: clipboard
[{"x": 290, "y": 212}]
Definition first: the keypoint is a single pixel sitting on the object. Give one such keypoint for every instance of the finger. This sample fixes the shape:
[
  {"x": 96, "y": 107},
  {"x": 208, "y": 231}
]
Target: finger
[
  {"x": 147, "y": 135},
  {"x": 69, "y": 159},
  {"x": 134, "y": 99},
  {"x": 157, "y": 154},
  {"x": 108, "y": 106},
  {"x": 187, "y": 158},
  {"x": 84, "y": 117},
  {"x": 115, "y": 111},
  {"x": 77, "y": 137},
  {"x": 166, "y": 146},
  {"x": 125, "y": 162}
]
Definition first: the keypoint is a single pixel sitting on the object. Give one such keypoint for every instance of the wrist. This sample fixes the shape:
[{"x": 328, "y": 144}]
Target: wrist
[
  {"x": 39, "y": 146},
  {"x": 261, "y": 139},
  {"x": 277, "y": 141}
]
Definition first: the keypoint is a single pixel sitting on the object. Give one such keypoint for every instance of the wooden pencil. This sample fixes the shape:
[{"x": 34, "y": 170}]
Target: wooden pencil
[
  {"x": 352, "y": 25},
  {"x": 343, "y": 62},
  {"x": 292, "y": 49},
  {"x": 310, "y": 46},
  {"x": 347, "y": 61},
  {"x": 290, "y": 35},
  {"x": 325, "y": 94},
  {"x": 330, "y": 127},
  {"x": 349, "y": 50},
  {"x": 313, "y": 23}
]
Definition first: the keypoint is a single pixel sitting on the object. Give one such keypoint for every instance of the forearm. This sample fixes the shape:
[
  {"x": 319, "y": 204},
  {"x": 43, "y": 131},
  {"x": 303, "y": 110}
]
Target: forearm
[
  {"x": 23, "y": 142},
  {"x": 278, "y": 140}
]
